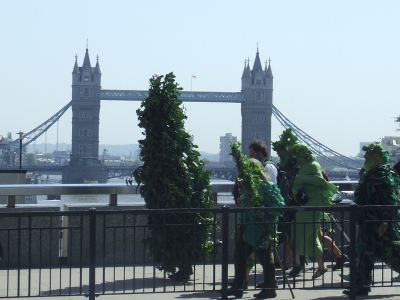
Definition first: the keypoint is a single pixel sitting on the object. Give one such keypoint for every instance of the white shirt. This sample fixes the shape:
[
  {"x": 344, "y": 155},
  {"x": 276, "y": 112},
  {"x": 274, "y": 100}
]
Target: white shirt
[{"x": 273, "y": 172}]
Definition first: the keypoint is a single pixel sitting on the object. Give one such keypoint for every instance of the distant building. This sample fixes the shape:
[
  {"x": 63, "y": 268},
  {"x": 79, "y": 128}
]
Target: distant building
[
  {"x": 136, "y": 155},
  {"x": 392, "y": 145},
  {"x": 225, "y": 149}
]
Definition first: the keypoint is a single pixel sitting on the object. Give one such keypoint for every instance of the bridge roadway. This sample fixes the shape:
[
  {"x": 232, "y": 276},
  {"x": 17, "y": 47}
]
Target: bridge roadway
[{"x": 215, "y": 172}]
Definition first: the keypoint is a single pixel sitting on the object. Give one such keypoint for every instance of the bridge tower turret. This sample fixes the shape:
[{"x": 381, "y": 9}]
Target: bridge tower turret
[
  {"x": 86, "y": 86},
  {"x": 257, "y": 88}
]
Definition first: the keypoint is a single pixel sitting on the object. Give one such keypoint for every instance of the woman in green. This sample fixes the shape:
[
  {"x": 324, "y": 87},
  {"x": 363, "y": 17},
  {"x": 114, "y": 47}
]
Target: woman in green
[{"x": 309, "y": 189}]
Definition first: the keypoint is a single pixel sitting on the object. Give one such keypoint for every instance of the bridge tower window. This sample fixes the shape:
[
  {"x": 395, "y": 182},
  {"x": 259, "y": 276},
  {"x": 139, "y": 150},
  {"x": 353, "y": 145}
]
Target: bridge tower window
[
  {"x": 85, "y": 132},
  {"x": 257, "y": 136}
]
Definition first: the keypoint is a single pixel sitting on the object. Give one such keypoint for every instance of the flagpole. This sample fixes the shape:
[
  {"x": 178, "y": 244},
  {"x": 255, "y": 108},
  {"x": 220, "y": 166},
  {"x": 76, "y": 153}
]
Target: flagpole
[{"x": 191, "y": 80}]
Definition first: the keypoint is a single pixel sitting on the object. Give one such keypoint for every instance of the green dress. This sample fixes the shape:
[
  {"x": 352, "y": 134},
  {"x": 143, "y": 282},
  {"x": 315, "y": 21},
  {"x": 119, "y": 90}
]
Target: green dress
[{"x": 319, "y": 192}]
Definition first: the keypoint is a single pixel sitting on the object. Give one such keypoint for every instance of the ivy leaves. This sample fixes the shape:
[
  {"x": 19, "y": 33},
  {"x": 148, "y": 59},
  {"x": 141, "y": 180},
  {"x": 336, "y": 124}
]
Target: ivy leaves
[
  {"x": 249, "y": 173},
  {"x": 172, "y": 176}
]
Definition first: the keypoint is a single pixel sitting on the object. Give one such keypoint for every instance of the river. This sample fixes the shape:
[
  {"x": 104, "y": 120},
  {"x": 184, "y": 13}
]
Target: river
[{"x": 122, "y": 199}]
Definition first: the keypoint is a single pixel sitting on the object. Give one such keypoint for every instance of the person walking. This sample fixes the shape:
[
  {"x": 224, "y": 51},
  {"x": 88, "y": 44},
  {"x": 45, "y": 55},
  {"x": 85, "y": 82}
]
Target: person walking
[
  {"x": 379, "y": 230},
  {"x": 309, "y": 189},
  {"x": 258, "y": 231},
  {"x": 258, "y": 150},
  {"x": 287, "y": 171}
]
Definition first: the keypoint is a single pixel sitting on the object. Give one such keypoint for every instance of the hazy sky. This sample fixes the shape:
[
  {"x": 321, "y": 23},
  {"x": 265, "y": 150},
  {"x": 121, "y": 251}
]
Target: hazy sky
[{"x": 335, "y": 63}]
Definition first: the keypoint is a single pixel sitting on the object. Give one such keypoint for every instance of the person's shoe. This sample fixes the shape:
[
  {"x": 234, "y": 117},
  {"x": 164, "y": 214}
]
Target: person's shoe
[
  {"x": 360, "y": 291},
  {"x": 265, "y": 294},
  {"x": 233, "y": 292},
  {"x": 320, "y": 272},
  {"x": 260, "y": 285},
  {"x": 181, "y": 275},
  {"x": 245, "y": 285},
  {"x": 340, "y": 262},
  {"x": 236, "y": 293},
  {"x": 296, "y": 271}
]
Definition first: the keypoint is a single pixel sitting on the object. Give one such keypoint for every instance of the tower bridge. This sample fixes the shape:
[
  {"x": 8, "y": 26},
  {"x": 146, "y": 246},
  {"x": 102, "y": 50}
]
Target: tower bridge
[{"x": 255, "y": 98}]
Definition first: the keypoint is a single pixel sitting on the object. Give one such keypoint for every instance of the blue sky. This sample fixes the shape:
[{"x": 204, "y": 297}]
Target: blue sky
[{"x": 335, "y": 63}]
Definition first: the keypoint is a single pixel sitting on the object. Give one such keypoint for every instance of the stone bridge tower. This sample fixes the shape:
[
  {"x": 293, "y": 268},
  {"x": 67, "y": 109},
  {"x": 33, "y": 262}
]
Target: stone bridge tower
[
  {"x": 86, "y": 86},
  {"x": 257, "y": 88}
]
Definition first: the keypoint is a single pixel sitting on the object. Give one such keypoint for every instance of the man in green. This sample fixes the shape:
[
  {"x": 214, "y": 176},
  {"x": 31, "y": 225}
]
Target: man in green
[{"x": 379, "y": 230}]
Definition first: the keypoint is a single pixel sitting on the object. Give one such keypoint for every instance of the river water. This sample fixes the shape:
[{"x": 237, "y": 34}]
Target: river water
[{"x": 122, "y": 199}]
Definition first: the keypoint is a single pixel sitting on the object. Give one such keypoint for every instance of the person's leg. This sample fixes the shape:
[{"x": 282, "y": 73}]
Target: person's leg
[
  {"x": 365, "y": 263},
  {"x": 251, "y": 261},
  {"x": 288, "y": 255},
  {"x": 330, "y": 244},
  {"x": 321, "y": 267},
  {"x": 266, "y": 259},
  {"x": 242, "y": 252}
]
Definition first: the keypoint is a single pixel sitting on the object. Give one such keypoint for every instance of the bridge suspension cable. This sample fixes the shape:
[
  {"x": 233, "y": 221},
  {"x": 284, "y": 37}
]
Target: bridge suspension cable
[
  {"x": 13, "y": 147},
  {"x": 316, "y": 147}
]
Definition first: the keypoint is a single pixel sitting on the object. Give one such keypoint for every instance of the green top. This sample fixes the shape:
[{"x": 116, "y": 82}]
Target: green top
[{"x": 310, "y": 181}]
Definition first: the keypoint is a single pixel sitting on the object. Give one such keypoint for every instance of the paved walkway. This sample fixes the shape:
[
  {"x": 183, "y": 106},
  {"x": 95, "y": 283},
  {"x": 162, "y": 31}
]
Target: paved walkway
[{"x": 328, "y": 287}]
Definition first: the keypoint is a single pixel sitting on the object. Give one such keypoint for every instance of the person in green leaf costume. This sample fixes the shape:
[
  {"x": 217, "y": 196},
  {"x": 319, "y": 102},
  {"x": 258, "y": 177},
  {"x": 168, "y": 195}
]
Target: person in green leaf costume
[
  {"x": 287, "y": 171},
  {"x": 309, "y": 189},
  {"x": 379, "y": 230},
  {"x": 258, "y": 191}
]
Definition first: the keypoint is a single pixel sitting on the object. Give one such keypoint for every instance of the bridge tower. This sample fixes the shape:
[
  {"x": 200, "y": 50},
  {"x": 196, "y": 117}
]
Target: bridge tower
[
  {"x": 257, "y": 88},
  {"x": 86, "y": 86}
]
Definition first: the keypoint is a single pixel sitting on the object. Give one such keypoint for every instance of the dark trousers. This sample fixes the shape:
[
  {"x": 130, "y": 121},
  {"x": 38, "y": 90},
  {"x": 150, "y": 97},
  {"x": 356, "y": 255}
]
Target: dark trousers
[{"x": 265, "y": 257}]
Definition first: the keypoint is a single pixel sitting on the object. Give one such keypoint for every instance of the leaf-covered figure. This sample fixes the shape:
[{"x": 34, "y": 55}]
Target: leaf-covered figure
[
  {"x": 172, "y": 176},
  {"x": 258, "y": 191}
]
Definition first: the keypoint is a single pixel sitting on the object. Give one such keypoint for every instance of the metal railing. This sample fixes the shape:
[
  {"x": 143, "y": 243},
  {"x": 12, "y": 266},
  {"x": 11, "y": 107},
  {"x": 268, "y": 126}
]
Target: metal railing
[{"x": 99, "y": 251}]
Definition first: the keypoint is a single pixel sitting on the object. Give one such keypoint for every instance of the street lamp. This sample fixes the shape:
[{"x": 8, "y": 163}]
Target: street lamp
[
  {"x": 104, "y": 154},
  {"x": 20, "y": 149}
]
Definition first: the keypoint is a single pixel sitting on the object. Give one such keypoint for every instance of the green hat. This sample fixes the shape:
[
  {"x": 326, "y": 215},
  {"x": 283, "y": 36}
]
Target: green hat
[
  {"x": 301, "y": 150},
  {"x": 286, "y": 139},
  {"x": 376, "y": 148}
]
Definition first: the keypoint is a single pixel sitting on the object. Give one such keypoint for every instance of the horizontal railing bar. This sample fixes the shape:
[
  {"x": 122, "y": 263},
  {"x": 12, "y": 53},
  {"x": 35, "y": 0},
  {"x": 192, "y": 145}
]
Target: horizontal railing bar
[{"x": 102, "y": 189}]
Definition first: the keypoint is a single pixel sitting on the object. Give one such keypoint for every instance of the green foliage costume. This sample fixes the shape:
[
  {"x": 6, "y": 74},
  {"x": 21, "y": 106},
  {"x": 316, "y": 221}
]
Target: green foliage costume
[
  {"x": 172, "y": 176},
  {"x": 319, "y": 192},
  {"x": 377, "y": 186},
  {"x": 257, "y": 193},
  {"x": 287, "y": 166},
  {"x": 261, "y": 238}
]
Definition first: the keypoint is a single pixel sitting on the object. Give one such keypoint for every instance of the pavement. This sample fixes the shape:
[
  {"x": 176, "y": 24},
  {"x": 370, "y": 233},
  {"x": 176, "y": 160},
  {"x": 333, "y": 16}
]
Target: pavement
[{"x": 123, "y": 283}]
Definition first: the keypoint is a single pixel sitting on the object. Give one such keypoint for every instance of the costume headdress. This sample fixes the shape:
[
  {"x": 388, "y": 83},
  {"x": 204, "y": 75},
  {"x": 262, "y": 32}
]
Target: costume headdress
[
  {"x": 301, "y": 150},
  {"x": 376, "y": 148},
  {"x": 286, "y": 139}
]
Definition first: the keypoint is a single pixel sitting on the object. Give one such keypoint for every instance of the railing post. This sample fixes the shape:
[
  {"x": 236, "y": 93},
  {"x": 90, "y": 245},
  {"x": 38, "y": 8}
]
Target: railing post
[
  {"x": 214, "y": 198},
  {"x": 353, "y": 250},
  {"x": 11, "y": 199},
  {"x": 113, "y": 201},
  {"x": 225, "y": 251},
  {"x": 92, "y": 253}
]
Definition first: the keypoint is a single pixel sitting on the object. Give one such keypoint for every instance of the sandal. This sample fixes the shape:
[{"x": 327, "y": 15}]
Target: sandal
[{"x": 320, "y": 272}]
